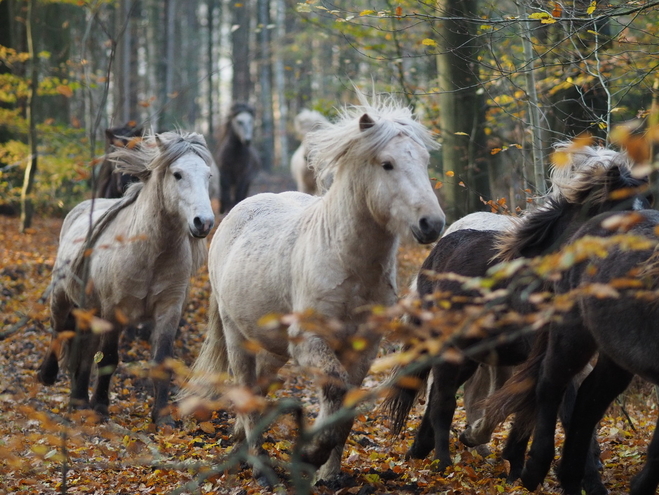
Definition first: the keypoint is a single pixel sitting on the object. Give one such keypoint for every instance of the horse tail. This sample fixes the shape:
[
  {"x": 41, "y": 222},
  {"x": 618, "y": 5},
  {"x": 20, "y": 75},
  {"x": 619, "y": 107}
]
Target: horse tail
[
  {"x": 402, "y": 396},
  {"x": 517, "y": 396},
  {"x": 213, "y": 358}
]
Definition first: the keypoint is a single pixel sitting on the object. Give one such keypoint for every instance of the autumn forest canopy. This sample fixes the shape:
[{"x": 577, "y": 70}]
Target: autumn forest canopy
[{"x": 509, "y": 90}]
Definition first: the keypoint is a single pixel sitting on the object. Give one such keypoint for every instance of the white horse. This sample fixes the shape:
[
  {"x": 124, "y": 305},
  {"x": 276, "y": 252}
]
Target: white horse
[
  {"x": 146, "y": 246},
  {"x": 333, "y": 254},
  {"x": 305, "y": 122}
]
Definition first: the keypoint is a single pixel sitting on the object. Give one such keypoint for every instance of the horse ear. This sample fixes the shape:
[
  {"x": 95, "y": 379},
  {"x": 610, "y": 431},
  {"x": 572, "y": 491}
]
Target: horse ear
[
  {"x": 159, "y": 142},
  {"x": 366, "y": 122}
]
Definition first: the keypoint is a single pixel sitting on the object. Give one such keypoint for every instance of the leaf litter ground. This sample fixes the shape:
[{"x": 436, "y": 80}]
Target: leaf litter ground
[{"x": 40, "y": 439}]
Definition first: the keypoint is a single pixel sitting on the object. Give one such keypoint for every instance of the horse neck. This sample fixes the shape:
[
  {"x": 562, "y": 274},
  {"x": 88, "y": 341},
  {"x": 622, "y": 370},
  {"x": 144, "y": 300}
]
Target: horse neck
[
  {"x": 561, "y": 230},
  {"x": 151, "y": 219},
  {"x": 351, "y": 228}
]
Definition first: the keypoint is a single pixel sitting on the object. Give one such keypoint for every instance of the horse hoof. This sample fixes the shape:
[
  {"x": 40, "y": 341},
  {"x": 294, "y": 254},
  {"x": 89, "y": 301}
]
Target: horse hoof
[
  {"x": 165, "y": 420},
  {"x": 530, "y": 481},
  {"x": 338, "y": 482},
  {"x": 101, "y": 409},
  {"x": 441, "y": 466},
  {"x": 416, "y": 452},
  {"x": 47, "y": 374}
]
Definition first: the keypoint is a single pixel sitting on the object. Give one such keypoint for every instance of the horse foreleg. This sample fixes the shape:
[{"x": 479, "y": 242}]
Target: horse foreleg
[
  {"x": 515, "y": 448},
  {"x": 313, "y": 352},
  {"x": 578, "y": 466},
  {"x": 241, "y": 190},
  {"x": 569, "y": 350},
  {"x": 447, "y": 379},
  {"x": 225, "y": 194},
  {"x": 162, "y": 347},
  {"x": 645, "y": 482},
  {"x": 106, "y": 367},
  {"x": 424, "y": 438},
  {"x": 81, "y": 360},
  {"x": 357, "y": 371}
]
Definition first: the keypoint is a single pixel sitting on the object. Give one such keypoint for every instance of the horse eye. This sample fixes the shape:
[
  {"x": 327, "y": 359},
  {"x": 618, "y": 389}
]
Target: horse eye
[
  {"x": 177, "y": 176},
  {"x": 388, "y": 166}
]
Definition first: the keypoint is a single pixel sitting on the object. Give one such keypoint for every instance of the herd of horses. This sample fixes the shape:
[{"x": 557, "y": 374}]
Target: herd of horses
[{"x": 541, "y": 294}]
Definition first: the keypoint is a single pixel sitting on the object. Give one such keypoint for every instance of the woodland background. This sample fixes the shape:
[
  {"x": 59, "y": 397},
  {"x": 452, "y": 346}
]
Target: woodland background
[{"x": 499, "y": 81}]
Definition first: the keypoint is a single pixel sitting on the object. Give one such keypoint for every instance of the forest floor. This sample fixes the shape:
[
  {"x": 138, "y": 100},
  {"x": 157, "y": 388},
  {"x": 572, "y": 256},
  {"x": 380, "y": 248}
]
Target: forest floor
[{"x": 40, "y": 440}]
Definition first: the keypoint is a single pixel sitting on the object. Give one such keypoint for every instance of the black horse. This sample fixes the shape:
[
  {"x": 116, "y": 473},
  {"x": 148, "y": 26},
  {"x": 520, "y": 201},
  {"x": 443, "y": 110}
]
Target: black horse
[
  {"x": 615, "y": 313},
  {"x": 237, "y": 159},
  {"x": 111, "y": 183},
  {"x": 595, "y": 176}
]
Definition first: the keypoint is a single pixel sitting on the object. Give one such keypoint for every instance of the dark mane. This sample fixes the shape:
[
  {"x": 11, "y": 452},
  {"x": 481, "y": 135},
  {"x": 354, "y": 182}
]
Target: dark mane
[
  {"x": 109, "y": 183},
  {"x": 593, "y": 191}
]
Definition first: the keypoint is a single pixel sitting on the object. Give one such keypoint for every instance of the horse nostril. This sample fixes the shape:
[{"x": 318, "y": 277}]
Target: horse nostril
[{"x": 424, "y": 225}]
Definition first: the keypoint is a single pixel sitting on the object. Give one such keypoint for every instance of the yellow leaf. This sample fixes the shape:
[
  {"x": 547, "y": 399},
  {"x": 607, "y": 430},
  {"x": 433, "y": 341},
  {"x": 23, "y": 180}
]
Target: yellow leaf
[
  {"x": 439, "y": 184},
  {"x": 539, "y": 15},
  {"x": 354, "y": 396},
  {"x": 367, "y": 12},
  {"x": 560, "y": 159},
  {"x": 548, "y": 20},
  {"x": 64, "y": 90},
  {"x": 461, "y": 134},
  {"x": 591, "y": 8},
  {"x": 429, "y": 42},
  {"x": 207, "y": 427},
  {"x": 450, "y": 173}
]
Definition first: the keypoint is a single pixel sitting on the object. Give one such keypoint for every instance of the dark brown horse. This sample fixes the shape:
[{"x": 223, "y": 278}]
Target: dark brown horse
[
  {"x": 614, "y": 311},
  {"x": 237, "y": 159},
  {"x": 580, "y": 195},
  {"x": 111, "y": 183}
]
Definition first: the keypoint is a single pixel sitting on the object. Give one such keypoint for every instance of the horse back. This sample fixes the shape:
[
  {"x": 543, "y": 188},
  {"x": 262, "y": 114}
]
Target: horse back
[{"x": 465, "y": 252}]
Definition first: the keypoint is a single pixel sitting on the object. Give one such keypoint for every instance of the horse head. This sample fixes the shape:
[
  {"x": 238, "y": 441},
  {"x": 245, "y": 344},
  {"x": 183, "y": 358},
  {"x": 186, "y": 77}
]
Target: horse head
[
  {"x": 242, "y": 122},
  {"x": 185, "y": 181},
  {"x": 395, "y": 182}
]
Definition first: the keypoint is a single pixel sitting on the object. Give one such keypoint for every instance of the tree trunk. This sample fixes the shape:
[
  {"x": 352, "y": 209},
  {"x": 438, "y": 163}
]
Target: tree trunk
[
  {"x": 241, "y": 86},
  {"x": 210, "y": 70},
  {"x": 280, "y": 83},
  {"x": 31, "y": 169},
  {"x": 265, "y": 82},
  {"x": 460, "y": 109}
]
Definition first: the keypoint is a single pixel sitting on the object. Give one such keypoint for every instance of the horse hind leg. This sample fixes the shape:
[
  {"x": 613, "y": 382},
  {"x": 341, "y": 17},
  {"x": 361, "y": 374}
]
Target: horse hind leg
[
  {"x": 579, "y": 464},
  {"x": 569, "y": 350},
  {"x": 61, "y": 320}
]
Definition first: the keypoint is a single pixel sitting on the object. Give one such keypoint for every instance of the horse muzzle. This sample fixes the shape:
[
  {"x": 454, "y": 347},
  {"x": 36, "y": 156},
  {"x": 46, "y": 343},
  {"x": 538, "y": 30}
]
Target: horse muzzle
[
  {"x": 428, "y": 229},
  {"x": 201, "y": 226}
]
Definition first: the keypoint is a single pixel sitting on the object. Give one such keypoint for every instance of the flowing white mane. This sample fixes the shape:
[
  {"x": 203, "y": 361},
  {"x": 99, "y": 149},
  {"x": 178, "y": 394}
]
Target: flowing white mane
[
  {"x": 343, "y": 142},
  {"x": 158, "y": 151},
  {"x": 581, "y": 169}
]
